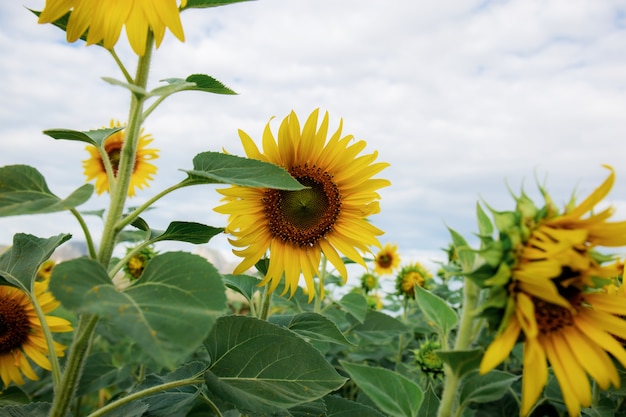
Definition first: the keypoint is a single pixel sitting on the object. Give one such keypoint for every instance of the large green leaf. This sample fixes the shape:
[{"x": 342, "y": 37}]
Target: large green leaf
[
  {"x": 462, "y": 362},
  {"x": 168, "y": 311},
  {"x": 245, "y": 285},
  {"x": 341, "y": 407},
  {"x": 27, "y": 410},
  {"x": 19, "y": 263},
  {"x": 92, "y": 137},
  {"x": 312, "y": 326},
  {"x": 355, "y": 305},
  {"x": 261, "y": 367},
  {"x": 221, "y": 168},
  {"x": 23, "y": 190},
  {"x": 393, "y": 393},
  {"x": 200, "y": 4},
  {"x": 100, "y": 372},
  {"x": 436, "y": 310}
]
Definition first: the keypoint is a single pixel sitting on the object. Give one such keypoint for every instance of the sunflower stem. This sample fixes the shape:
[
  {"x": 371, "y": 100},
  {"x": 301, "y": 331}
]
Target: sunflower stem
[
  {"x": 119, "y": 63},
  {"x": 265, "y": 303},
  {"x": 464, "y": 339},
  {"x": 405, "y": 314},
  {"x": 69, "y": 381},
  {"x": 144, "y": 393}
]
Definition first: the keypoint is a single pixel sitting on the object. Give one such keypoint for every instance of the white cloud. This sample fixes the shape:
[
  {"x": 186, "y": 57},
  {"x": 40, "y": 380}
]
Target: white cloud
[{"x": 461, "y": 97}]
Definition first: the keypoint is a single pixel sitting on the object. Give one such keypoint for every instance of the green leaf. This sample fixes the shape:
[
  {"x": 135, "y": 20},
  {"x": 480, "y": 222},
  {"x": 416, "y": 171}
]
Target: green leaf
[
  {"x": 13, "y": 396},
  {"x": 341, "y": 407},
  {"x": 20, "y": 262},
  {"x": 355, "y": 305},
  {"x": 168, "y": 311},
  {"x": 315, "y": 408},
  {"x": 174, "y": 401},
  {"x": 379, "y": 327},
  {"x": 200, "y": 4},
  {"x": 261, "y": 367},
  {"x": 463, "y": 250},
  {"x": 132, "y": 87},
  {"x": 485, "y": 226},
  {"x": 221, "y": 168},
  {"x": 23, "y": 190},
  {"x": 195, "y": 82},
  {"x": 430, "y": 404},
  {"x": 312, "y": 326},
  {"x": 436, "y": 310},
  {"x": 99, "y": 372},
  {"x": 245, "y": 285},
  {"x": 393, "y": 393},
  {"x": 190, "y": 232},
  {"x": 485, "y": 388},
  {"x": 462, "y": 362},
  {"x": 92, "y": 137},
  {"x": 28, "y": 410}
]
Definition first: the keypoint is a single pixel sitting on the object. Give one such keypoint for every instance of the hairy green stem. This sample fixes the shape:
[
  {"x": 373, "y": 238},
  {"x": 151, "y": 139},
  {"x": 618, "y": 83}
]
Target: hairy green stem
[
  {"x": 405, "y": 314},
  {"x": 265, "y": 303},
  {"x": 463, "y": 341},
  {"x": 90, "y": 246},
  {"x": 212, "y": 405},
  {"x": 119, "y": 63},
  {"x": 54, "y": 361},
  {"x": 144, "y": 393},
  {"x": 71, "y": 375}
]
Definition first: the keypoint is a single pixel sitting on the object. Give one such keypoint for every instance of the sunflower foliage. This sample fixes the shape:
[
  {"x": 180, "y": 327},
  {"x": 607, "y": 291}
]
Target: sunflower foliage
[{"x": 530, "y": 322}]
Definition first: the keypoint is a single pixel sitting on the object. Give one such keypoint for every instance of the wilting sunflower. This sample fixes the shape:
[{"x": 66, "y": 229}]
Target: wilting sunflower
[
  {"x": 387, "y": 259},
  {"x": 143, "y": 170},
  {"x": 411, "y": 276},
  {"x": 557, "y": 301},
  {"x": 297, "y": 227},
  {"x": 103, "y": 20},
  {"x": 21, "y": 334}
]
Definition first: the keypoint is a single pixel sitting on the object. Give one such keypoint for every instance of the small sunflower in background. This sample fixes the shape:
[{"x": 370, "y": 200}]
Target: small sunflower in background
[
  {"x": 137, "y": 263},
  {"x": 551, "y": 284},
  {"x": 143, "y": 171},
  {"x": 330, "y": 217},
  {"x": 45, "y": 270},
  {"x": 103, "y": 20},
  {"x": 387, "y": 260},
  {"x": 21, "y": 336},
  {"x": 369, "y": 282},
  {"x": 411, "y": 276}
]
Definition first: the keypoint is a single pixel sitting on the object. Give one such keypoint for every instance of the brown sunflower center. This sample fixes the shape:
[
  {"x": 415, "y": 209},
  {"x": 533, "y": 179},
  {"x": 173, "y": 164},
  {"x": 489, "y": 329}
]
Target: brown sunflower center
[
  {"x": 551, "y": 317},
  {"x": 303, "y": 217},
  {"x": 14, "y": 325},
  {"x": 384, "y": 260},
  {"x": 114, "y": 151}
]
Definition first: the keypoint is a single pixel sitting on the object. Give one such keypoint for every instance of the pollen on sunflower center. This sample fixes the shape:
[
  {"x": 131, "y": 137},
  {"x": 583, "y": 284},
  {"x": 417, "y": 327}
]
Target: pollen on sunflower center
[
  {"x": 14, "y": 325},
  {"x": 303, "y": 217},
  {"x": 550, "y": 317}
]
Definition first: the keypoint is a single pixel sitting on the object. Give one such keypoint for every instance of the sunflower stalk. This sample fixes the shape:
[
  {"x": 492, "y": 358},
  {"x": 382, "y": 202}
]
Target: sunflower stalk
[
  {"x": 465, "y": 337},
  {"x": 78, "y": 353}
]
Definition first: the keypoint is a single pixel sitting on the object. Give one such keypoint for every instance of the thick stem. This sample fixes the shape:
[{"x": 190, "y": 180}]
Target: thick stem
[
  {"x": 265, "y": 303},
  {"x": 463, "y": 341},
  {"x": 69, "y": 382}
]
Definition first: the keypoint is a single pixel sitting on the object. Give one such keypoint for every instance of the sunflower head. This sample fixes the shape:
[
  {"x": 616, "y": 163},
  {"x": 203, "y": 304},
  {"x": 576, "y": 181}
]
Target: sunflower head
[
  {"x": 330, "y": 217},
  {"x": 45, "y": 270},
  {"x": 387, "y": 259},
  {"x": 21, "y": 335},
  {"x": 137, "y": 263},
  {"x": 102, "y": 22},
  {"x": 412, "y": 276},
  {"x": 427, "y": 360},
  {"x": 374, "y": 302},
  {"x": 369, "y": 282},
  {"x": 96, "y": 167}
]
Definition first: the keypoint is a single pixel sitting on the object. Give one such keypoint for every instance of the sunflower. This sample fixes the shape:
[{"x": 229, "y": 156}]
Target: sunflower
[
  {"x": 103, "y": 20},
  {"x": 297, "y": 227},
  {"x": 143, "y": 170},
  {"x": 387, "y": 259},
  {"x": 558, "y": 303},
  {"x": 21, "y": 333},
  {"x": 411, "y": 276},
  {"x": 369, "y": 282}
]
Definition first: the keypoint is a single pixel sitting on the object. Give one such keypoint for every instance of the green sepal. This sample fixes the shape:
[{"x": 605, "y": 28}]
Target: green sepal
[
  {"x": 221, "y": 168},
  {"x": 463, "y": 251},
  {"x": 20, "y": 262},
  {"x": 92, "y": 137},
  {"x": 23, "y": 190}
]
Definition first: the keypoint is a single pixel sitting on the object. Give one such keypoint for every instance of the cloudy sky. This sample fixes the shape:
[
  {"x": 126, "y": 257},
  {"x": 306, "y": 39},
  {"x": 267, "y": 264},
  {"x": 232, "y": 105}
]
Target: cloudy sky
[{"x": 461, "y": 97}]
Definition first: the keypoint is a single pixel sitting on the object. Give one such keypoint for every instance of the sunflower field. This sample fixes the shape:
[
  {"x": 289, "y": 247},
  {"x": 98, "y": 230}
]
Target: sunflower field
[{"x": 530, "y": 322}]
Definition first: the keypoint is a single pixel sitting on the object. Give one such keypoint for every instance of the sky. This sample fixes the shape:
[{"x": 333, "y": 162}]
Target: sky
[{"x": 467, "y": 100}]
